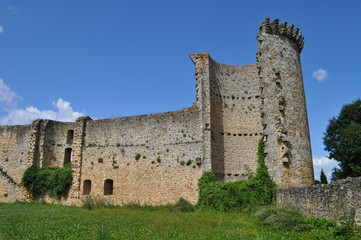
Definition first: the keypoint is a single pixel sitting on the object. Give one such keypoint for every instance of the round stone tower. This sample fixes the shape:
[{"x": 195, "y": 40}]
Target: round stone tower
[{"x": 283, "y": 107}]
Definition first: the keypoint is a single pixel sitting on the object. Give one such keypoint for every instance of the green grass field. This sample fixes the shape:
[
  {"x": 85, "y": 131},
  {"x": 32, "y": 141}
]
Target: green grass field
[{"x": 43, "y": 221}]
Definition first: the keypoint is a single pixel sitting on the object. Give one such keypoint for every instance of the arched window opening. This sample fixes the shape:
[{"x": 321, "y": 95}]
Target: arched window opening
[
  {"x": 87, "y": 187},
  {"x": 67, "y": 155},
  {"x": 70, "y": 137},
  {"x": 108, "y": 187}
]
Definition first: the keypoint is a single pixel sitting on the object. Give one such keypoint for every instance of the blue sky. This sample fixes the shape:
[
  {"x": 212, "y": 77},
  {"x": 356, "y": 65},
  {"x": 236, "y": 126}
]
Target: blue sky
[{"x": 112, "y": 58}]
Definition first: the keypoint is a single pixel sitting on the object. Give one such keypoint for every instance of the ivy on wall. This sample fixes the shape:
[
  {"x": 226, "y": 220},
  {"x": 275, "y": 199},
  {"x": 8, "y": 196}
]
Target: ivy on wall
[
  {"x": 52, "y": 181},
  {"x": 239, "y": 195}
]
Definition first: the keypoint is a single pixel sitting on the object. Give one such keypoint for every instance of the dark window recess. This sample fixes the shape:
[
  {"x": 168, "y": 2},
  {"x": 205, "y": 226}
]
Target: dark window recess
[
  {"x": 70, "y": 137},
  {"x": 108, "y": 187},
  {"x": 87, "y": 187},
  {"x": 67, "y": 155}
]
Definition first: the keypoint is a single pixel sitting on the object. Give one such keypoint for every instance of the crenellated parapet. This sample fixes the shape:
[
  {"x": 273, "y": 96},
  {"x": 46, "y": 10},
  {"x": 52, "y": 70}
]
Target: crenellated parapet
[
  {"x": 282, "y": 29},
  {"x": 283, "y": 109}
]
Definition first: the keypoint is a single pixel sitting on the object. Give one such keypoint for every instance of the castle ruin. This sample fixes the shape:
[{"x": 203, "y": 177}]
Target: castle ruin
[{"x": 158, "y": 158}]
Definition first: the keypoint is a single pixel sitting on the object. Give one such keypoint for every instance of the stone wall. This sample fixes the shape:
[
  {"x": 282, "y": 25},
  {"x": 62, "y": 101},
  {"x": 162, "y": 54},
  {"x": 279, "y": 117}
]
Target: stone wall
[
  {"x": 202, "y": 71},
  {"x": 152, "y": 159},
  {"x": 53, "y": 142},
  {"x": 235, "y": 119},
  {"x": 284, "y": 114},
  {"x": 229, "y": 97},
  {"x": 340, "y": 198},
  {"x": 14, "y": 151}
]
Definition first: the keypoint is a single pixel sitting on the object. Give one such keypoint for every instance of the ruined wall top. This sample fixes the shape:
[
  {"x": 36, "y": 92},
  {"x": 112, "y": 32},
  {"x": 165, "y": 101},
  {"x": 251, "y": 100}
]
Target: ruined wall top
[{"x": 282, "y": 29}]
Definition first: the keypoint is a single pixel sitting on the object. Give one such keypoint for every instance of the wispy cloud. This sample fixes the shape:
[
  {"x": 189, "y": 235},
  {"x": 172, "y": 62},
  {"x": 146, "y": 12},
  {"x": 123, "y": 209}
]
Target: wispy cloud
[
  {"x": 1, "y": 29},
  {"x": 12, "y": 9},
  {"x": 7, "y": 96},
  {"x": 320, "y": 74},
  {"x": 324, "y": 163},
  {"x": 62, "y": 109}
]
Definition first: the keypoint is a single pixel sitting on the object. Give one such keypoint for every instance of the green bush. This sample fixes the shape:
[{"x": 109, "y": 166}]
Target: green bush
[
  {"x": 184, "y": 206},
  {"x": 239, "y": 195},
  {"x": 284, "y": 218},
  {"x": 52, "y": 181}
]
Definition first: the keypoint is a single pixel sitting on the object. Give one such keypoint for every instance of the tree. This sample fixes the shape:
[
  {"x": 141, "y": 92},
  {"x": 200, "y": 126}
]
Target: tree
[
  {"x": 336, "y": 174},
  {"x": 323, "y": 178},
  {"x": 342, "y": 140}
]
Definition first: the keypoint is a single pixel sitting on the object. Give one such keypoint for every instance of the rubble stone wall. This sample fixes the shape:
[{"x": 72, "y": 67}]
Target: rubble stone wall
[
  {"x": 284, "y": 114},
  {"x": 235, "y": 119},
  {"x": 152, "y": 159},
  {"x": 337, "y": 199},
  {"x": 54, "y": 143},
  {"x": 14, "y": 149}
]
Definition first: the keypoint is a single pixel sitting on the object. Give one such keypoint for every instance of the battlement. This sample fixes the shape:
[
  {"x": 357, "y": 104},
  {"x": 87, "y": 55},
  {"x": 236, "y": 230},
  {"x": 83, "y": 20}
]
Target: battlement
[{"x": 282, "y": 29}]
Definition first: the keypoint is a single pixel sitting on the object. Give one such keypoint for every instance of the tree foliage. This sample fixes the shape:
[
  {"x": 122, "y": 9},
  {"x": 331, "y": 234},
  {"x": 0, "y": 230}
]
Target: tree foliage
[
  {"x": 342, "y": 140},
  {"x": 323, "y": 178}
]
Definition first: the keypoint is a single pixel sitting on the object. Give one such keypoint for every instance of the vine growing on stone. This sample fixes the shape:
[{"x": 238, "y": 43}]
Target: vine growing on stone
[
  {"x": 52, "y": 181},
  {"x": 239, "y": 195}
]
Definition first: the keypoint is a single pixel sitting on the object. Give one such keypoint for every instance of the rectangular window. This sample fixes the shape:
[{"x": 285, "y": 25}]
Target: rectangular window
[
  {"x": 70, "y": 137},
  {"x": 108, "y": 187},
  {"x": 87, "y": 186}
]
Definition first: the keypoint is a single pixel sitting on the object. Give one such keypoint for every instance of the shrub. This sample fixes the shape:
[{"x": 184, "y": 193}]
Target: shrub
[
  {"x": 239, "y": 195},
  {"x": 206, "y": 178},
  {"x": 184, "y": 206},
  {"x": 284, "y": 218},
  {"x": 52, "y": 181}
]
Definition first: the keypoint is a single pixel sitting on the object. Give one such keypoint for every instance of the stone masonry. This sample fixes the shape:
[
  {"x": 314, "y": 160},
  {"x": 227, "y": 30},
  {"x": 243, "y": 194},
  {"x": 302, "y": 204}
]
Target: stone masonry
[
  {"x": 335, "y": 200},
  {"x": 158, "y": 158}
]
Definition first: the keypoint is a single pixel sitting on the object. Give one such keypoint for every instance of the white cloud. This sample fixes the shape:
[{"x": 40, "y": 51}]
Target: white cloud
[
  {"x": 7, "y": 96},
  {"x": 1, "y": 29},
  {"x": 321, "y": 161},
  {"x": 324, "y": 163},
  {"x": 62, "y": 112},
  {"x": 320, "y": 74}
]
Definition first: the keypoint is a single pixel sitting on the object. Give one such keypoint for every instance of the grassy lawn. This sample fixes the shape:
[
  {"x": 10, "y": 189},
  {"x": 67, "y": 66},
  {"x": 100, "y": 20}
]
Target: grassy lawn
[{"x": 43, "y": 221}]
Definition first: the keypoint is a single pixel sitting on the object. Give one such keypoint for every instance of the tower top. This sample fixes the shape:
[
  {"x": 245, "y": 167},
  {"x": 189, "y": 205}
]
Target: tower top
[{"x": 282, "y": 29}]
